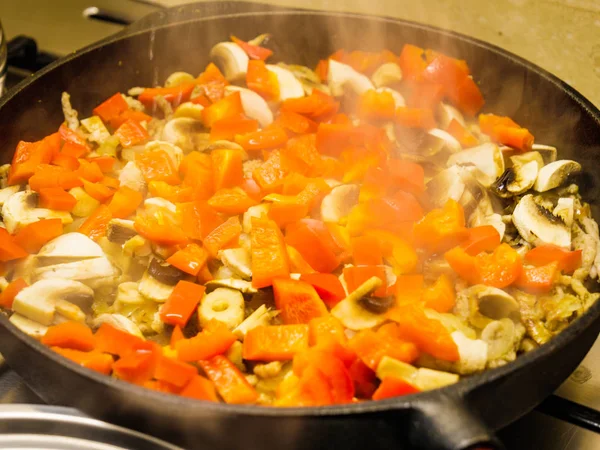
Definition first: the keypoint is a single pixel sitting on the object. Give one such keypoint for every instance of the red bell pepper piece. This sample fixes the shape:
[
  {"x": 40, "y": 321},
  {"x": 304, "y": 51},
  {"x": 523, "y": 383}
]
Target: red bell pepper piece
[
  {"x": 275, "y": 342},
  {"x": 297, "y": 301},
  {"x": 229, "y": 381},
  {"x": 327, "y": 285},
  {"x": 393, "y": 387},
  {"x": 181, "y": 304}
]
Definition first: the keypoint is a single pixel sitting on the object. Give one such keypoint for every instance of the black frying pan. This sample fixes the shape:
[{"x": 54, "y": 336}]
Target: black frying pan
[{"x": 457, "y": 417}]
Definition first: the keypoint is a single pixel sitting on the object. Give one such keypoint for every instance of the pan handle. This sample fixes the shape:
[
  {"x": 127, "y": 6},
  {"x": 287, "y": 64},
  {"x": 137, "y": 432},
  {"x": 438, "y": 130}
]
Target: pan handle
[{"x": 446, "y": 423}]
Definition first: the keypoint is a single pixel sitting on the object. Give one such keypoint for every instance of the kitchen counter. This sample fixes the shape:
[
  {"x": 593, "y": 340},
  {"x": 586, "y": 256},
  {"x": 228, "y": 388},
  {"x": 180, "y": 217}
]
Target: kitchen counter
[{"x": 562, "y": 36}]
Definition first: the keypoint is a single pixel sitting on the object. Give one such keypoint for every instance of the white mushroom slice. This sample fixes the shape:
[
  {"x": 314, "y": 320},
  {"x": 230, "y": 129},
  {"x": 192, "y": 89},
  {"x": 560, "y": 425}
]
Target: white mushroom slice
[
  {"x": 132, "y": 177},
  {"x": 473, "y": 353},
  {"x": 38, "y": 301},
  {"x": 20, "y": 209},
  {"x": 186, "y": 133},
  {"x": 153, "y": 289},
  {"x": 222, "y": 304},
  {"x": 96, "y": 129},
  {"x": 342, "y": 76},
  {"x": 429, "y": 379},
  {"x": 69, "y": 311},
  {"x": 547, "y": 151},
  {"x": 448, "y": 184},
  {"x": 390, "y": 367},
  {"x": 69, "y": 247},
  {"x": 189, "y": 110},
  {"x": 254, "y": 105},
  {"x": 447, "y": 113},
  {"x": 350, "y": 312},
  {"x": 493, "y": 302},
  {"x": 555, "y": 174},
  {"x": 446, "y": 140},
  {"x": 179, "y": 78},
  {"x": 119, "y": 322},
  {"x": 516, "y": 180},
  {"x": 174, "y": 152},
  {"x": 289, "y": 85},
  {"x": 94, "y": 272},
  {"x": 500, "y": 337},
  {"x": 565, "y": 209},
  {"x": 120, "y": 231},
  {"x": 387, "y": 74},
  {"x": 477, "y": 220},
  {"x": 524, "y": 158},
  {"x": 30, "y": 327},
  {"x": 128, "y": 294},
  {"x": 262, "y": 316},
  {"x": 245, "y": 287},
  {"x": 8, "y": 192},
  {"x": 254, "y": 211},
  {"x": 238, "y": 260},
  {"x": 160, "y": 203},
  {"x": 231, "y": 59},
  {"x": 537, "y": 225},
  {"x": 337, "y": 204},
  {"x": 487, "y": 158},
  {"x": 398, "y": 98},
  {"x": 23, "y": 268}
]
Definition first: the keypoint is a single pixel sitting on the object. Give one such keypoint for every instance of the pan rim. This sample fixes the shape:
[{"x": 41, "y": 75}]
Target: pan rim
[{"x": 457, "y": 391}]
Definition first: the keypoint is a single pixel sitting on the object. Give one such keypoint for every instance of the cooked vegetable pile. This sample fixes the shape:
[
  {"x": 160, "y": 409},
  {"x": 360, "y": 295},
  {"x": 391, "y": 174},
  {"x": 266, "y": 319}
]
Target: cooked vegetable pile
[{"x": 269, "y": 234}]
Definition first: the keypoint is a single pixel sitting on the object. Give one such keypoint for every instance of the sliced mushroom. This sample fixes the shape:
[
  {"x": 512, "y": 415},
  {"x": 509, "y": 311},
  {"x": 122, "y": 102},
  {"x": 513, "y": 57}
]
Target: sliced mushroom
[
  {"x": 448, "y": 184},
  {"x": 524, "y": 158},
  {"x": 309, "y": 79},
  {"x": 447, "y": 113},
  {"x": 387, "y": 74},
  {"x": 120, "y": 231},
  {"x": 487, "y": 158},
  {"x": 223, "y": 144},
  {"x": 289, "y": 85},
  {"x": 38, "y": 301},
  {"x": 164, "y": 272},
  {"x": 500, "y": 337},
  {"x": 119, "y": 322},
  {"x": 231, "y": 59},
  {"x": 174, "y": 152},
  {"x": 538, "y": 225},
  {"x": 565, "y": 209},
  {"x": 186, "y": 133},
  {"x": 30, "y": 327},
  {"x": 179, "y": 78},
  {"x": 153, "y": 289},
  {"x": 516, "y": 179},
  {"x": 555, "y": 174},
  {"x": 245, "y": 287},
  {"x": 160, "y": 203},
  {"x": 547, "y": 151},
  {"x": 254, "y": 211},
  {"x": 493, "y": 302},
  {"x": 478, "y": 219},
  {"x": 132, "y": 177},
  {"x": 337, "y": 204},
  {"x": 128, "y": 294},
  {"x": 8, "y": 192},
  {"x": 262, "y": 316},
  {"x": 429, "y": 379},
  {"x": 397, "y": 96},
  {"x": 473, "y": 354},
  {"x": 69, "y": 247},
  {"x": 341, "y": 77},
  {"x": 68, "y": 311},
  {"x": 390, "y": 367},
  {"x": 224, "y": 305},
  {"x": 352, "y": 314},
  {"x": 238, "y": 260},
  {"x": 86, "y": 204},
  {"x": 254, "y": 105},
  {"x": 21, "y": 209},
  {"x": 443, "y": 140},
  {"x": 189, "y": 110},
  {"x": 94, "y": 272}
]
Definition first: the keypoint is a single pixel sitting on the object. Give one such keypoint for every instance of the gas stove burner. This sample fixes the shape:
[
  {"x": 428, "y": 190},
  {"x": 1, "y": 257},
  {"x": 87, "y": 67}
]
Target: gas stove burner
[{"x": 35, "y": 427}]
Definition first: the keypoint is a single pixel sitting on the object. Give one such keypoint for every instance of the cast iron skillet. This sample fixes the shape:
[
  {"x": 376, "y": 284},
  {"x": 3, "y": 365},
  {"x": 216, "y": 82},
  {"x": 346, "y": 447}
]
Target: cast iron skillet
[{"x": 458, "y": 417}]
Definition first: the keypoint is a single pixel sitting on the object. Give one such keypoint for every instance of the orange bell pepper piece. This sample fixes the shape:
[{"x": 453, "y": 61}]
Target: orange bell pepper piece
[
  {"x": 323, "y": 329},
  {"x": 157, "y": 165},
  {"x": 441, "y": 229},
  {"x": 440, "y": 296},
  {"x": 227, "y": 168},
  {"x": 67, "y": 162},
  {"x": 47, "y": 176},
  {"x": 174, "y": 372},
  {"x": 181, "y": 304},
  {"x": 270, "y": 175},
  {"x": 263, "y": 140},
  {"x": 317, "y": 106},
  {"x": 100, "y": 362},
  {"x": 205, "y": 344},
  {"x": 407, "y": 176},
  {"x": 481, "y": 239},
  {"x": 393, "y": 387},
  {"x": 425, "y": 95},
  {"x": 314, "y": 242},
  {"x": 301, "y": 157},
  {"x": 275, "y": 342},
  {"x": 7, "y": 296},
  {"x": 34, "y": 236},
  {"x": 415, "y": 117},
  {"x": 226, "y": 108},
  {"x": 138, "y": 116},
  {"x": 429, "y": 335},
  {"x": 212, "y": 83},
  {"x": 297, "y": 301},
  {"x": 229, "y": 128},
  {"x": 201, "y": 389},
  {"x": 322, "y": 69},
  {"x": 175, "y": 194},
  {"x": 176, "y": 336},
  {"x": 506, "y": 131},
  {"x": 162, "y": 228},
  {"x": 371, "y": 346},
  {"x": 174, "y": 95},
  {"x": 411, "y": 62},
  {"x": 229, "y": 381},
  {"x": 190, "y": 259},
  {"x": 137, "y": 366},
  {"x": 131, "y": 132},
  {"x": 223, "y": 236},
  {"x": 27, "y": 157},
  {"x": 568, "y": 261},
  {"x": 95, "y": 225},
  {"x": 327, "y": 285},
  {"x": 253, "y": 51},
  {"x": 297, "y": 262},
  {"x": 73, "y": 335},
  {"x": 98, "y": 191},
  {"x": 89, "y": 171},
  {"x": 114, "y": 341},
  {"x": 461, "y": 134},
  {"x": 106, "y": 163},
  {"x": 9, "y": 250},
  {"x": 268, "y": 252},
  {"x": 111, "y": 108},
  {"x": 198, "y": 219},
  {"x": 56, "y": 198},
  {"x": 463, "y": 264},
  {"x": 375, "y": 106},
  {"x": 357, "y": 275},
  {"x": 538, "y": 280},
  {"x": 262, "y": 81},
  {"x": 408, "y": 289},
  {"x": 231, "y": 201},
  {"x": 364, "y": 379},
  {"x": 124, "y": 202},
  {"x": 296, "y": 123},
  {"x": 366, "y": 251}
]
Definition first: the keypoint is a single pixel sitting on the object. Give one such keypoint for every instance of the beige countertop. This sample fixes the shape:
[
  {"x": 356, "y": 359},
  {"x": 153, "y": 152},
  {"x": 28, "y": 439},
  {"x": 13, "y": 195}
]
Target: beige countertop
[{"x": 562, "y": 36}]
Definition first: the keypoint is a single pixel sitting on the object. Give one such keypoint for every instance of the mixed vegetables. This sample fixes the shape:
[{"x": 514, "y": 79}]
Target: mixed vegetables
[{"x": 269, "y": 234}]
